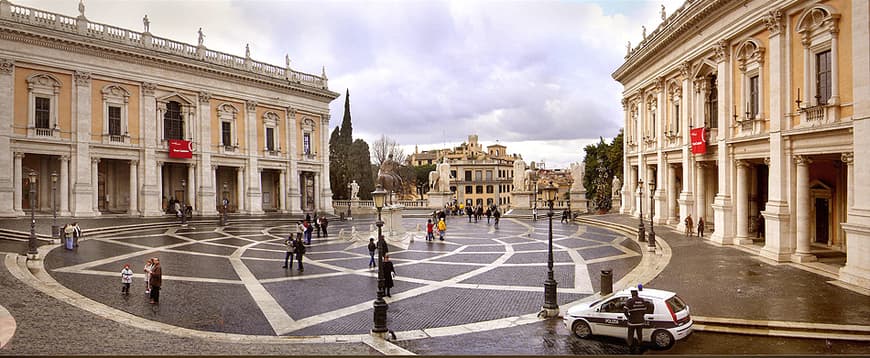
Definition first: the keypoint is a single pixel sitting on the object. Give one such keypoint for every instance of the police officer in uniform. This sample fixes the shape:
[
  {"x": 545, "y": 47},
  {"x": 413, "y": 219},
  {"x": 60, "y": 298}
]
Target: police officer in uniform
[{"x": 635, "y": 308}]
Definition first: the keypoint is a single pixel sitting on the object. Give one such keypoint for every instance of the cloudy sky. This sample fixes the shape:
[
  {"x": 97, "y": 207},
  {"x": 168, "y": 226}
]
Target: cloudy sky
[{"x": 532, "y": 75}]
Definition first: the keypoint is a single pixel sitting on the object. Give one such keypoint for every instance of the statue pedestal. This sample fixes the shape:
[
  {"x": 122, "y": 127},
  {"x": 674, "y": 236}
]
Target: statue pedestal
[
  {"x": 522, "y": 199},
  {"x": 578, "y": 202},
  {"x": 437, "y": 200},
  {"x": 392, "y": 216},
  {"x": 615, "y": 203}
]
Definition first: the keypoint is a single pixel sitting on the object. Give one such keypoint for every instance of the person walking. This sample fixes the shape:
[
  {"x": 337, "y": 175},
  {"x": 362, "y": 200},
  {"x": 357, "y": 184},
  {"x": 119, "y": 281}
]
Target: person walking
[
  {"x": 372, "y": 247},
  {"x": 634, "y": 309},
  {"x": 317, "y": 224},
  {"x": 700, "y": 226},
  {"x": 442, "y": 227},
  {"x": 429, "y": 235},
  {"x": 690, "y": 225},
  {"x": 156, "y": 281},
  {"x": 126, "y": 279},
  {"x": 488, "y": 214},
  {"x": 389, "y": 273},
  {"x": 307, "y": 233},
  {"x": 534, "y": 214},
  {"x": 149, "y": 264},
  {"x": 478, "y": 213},
  {"x": 299, "y": 250},
  {"x": 496, "y": 216},
  {"x": 289, "y": 249},
  {"x": 324, "y": 222},
  {"x": 469, "y": 212}
]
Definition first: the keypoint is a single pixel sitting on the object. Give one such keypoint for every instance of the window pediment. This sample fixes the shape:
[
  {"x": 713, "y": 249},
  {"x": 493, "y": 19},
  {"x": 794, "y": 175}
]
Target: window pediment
[{"x": 44, "y": 81}]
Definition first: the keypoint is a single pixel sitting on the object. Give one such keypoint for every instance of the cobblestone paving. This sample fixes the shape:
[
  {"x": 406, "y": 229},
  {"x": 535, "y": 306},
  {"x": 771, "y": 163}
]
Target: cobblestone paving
[{"x": 480, "y": 272}]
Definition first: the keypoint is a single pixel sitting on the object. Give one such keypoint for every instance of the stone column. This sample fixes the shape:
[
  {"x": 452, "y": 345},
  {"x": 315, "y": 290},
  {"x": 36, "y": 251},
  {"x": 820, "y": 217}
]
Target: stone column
[
  {"x": 742, "y": 203},
  {"x": 848, "y": 159},
  {"x": 17, "y": 183},
  {"x": 686, "y": 200},
  {"x": 160, "y": 188},
  {"x": 191, "y": 184},
  {"x": 152, "y": 184},
  {"x": 625, "y": 206},
  {"x": 659, "y": 196},
  {"x": 240, "y": 188},
  {"x": 64, "y": 186},
  {"x": 282, "y": 180},
  {"x": 7, "y": 106},
  {"x": 134, "y": 188},
  {"x": 857, "y": 225},
  {"x": 325, "y": 189},
  {"x": 208, "y": 188},
  {"x": 778, "y": 244},
  {"x": 723, "y": 213},
  {"x": 294, "y": 196},
  {"x": 85, "y": 189},
  {"x": 95, "y": 179},
  {"x": 802, "y": 181},
  {"x": 673, "y": 219},
  {"x": 701, "y": 201}
]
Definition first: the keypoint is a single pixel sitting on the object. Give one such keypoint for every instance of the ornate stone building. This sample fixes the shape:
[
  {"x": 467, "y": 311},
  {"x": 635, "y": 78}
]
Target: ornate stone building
[
  {"x": 477, "y": 177},
  {"x": 107, "y": 108},
  {"x": 778, "y": 93}
]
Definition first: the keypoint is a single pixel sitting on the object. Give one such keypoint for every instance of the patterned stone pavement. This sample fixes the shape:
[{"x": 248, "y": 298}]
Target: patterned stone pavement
[{"x": 230, "y": 281}]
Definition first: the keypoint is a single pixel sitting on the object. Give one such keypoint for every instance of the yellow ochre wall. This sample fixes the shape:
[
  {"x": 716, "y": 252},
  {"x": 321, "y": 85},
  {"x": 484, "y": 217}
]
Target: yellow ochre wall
[{"x": 22, "y": 106}]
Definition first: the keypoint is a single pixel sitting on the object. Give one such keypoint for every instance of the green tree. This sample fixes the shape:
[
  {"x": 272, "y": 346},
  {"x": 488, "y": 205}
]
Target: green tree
[
  {"x": 360, "y": 168},
  {"x": 337, "y": 169},
  {"x": 603, "y": 162},
  {"x": 419, "y": 178}
]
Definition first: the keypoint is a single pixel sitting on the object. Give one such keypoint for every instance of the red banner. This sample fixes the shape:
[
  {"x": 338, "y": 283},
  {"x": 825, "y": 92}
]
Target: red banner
[
  {"x": 699, "y": 143},
  {"x": 180, "y": 148}
]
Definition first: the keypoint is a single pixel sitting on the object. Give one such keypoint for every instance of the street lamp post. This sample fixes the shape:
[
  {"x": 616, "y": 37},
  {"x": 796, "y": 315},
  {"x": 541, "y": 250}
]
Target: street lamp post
[
  {"x": 652, "y": 209},
  {"x": 380, "y": 315},
  {"x": 31, "y": 242},
  {"x": 641, "y": 236},
  {"x": 183, "y": 207},
  {"x": 551, "y": 307},
  {"x": 225, "y": 203},
  {"x": 54, "y": 230}
]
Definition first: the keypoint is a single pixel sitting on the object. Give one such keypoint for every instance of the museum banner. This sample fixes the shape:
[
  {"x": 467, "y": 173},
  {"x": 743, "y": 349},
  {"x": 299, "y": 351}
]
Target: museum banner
[
  {"x": 180, "y": 148},
  {"x": 699, "y": 144}
]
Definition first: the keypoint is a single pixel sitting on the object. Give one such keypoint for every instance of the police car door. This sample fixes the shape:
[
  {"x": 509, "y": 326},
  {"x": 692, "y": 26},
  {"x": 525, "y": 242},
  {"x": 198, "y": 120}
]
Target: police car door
[{"x": 611, "y": 320}]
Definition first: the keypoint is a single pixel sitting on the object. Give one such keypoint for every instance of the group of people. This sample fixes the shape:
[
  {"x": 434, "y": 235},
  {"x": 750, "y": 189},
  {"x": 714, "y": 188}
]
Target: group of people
[
  {"x": 389, "y": 269},
  {"x": 295, "y": 248},
  {"x": 690, "y": 231},
  {"x": 476, "y": 212},
  {"x": 566, "y": 215},
  {"x": 435, "y": 229},
  {"x": 153, "y": 279},
  {"x": 71, "y": 231}
]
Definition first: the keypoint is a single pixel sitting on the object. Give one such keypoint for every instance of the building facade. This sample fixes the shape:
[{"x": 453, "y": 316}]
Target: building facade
[
  {"x": 106, "y": 108},
  {"x": 777, "y": 95},
  {"x": 477, "y": 177}
]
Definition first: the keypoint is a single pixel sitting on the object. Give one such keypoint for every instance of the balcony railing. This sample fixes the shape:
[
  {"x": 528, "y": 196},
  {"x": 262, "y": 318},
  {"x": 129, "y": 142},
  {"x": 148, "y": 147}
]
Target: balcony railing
[
  {"x": 81, "y": 26},
  {"x": 43, "y": 132}
]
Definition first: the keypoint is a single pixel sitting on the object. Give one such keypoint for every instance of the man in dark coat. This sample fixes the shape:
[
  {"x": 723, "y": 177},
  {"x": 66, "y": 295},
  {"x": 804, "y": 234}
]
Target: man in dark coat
[
  {"x": 635, "y": 308},
  {"x": 300, "y": 250},
  {"x": 156, "y": 281},
  {"x": 324, "y": 222},
  {"x": 389, "y": 273}
]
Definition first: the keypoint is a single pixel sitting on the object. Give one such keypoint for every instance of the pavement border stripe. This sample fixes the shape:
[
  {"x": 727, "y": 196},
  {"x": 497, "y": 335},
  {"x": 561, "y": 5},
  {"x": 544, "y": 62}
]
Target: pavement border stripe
[
  {"x": 782, "y": 324},
  {"x": 7, "y": 326},
  {"x": 386, "y": 347}
]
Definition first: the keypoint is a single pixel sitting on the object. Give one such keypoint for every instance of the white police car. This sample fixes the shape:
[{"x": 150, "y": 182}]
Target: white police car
[{"x": 669, "y": 322}]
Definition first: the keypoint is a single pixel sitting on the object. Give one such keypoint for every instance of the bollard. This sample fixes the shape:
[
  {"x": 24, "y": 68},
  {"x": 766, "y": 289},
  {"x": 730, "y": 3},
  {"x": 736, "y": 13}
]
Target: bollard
[{"x": 606, "y": 282}]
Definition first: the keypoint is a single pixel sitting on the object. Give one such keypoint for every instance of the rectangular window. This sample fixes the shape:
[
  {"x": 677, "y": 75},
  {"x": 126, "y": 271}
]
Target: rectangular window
[
  {"x": 823, "y": 77},
  {"x": 713, "y": 104},
  {"x": 114, "y": 120},
  {"x": 753, "y": 96},
  {"x": 479, "y": 189},
  {"x": 306, "y": 143},
  {"x": 478, "y": 175},
  {"x": 467, "y": 175},
  {"x": 489, "y": 175},
  {"x": 468, "y": 189},
  {"x": 270, "y": 139},
  {"x": 42, "y": 113},
  {"x": 226, "y": 133},
  {"x": 489, "y": 189}
]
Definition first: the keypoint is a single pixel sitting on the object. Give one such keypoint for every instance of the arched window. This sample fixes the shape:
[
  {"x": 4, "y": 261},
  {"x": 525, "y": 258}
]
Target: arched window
[{"x": 173, "y": 123}]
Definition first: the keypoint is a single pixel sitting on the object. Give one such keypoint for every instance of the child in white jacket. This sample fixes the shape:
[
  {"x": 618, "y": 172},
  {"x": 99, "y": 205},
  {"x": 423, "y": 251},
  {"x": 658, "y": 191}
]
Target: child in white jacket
[{"x": 126, "y": 279}]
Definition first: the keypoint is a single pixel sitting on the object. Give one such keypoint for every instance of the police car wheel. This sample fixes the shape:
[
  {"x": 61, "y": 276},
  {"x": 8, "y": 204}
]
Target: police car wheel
[
  {"x": 662, "y": 339},
  {"x": 581, "y": 329}
]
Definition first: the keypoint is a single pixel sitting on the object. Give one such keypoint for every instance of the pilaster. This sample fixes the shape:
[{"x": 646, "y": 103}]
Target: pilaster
[
  {"x": 206, "y": 194},
  {"x": 294, "y": 196},
  {"x": 723, "y": 218},
  {"x": 253, "y": 197},
  {"x": 7, "y": 98},
  {"x": 85, "y": 187},
  {"x": 325, "y": 189}
]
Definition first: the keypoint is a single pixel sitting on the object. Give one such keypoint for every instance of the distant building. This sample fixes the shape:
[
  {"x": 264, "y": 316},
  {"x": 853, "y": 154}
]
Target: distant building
[{"x": 478, "y": 177}]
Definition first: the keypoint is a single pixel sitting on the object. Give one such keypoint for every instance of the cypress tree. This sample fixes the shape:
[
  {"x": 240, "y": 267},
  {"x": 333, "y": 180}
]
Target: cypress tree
[
  {"x": 337, "y": 170},
  {"x": 359, "y": 168}
]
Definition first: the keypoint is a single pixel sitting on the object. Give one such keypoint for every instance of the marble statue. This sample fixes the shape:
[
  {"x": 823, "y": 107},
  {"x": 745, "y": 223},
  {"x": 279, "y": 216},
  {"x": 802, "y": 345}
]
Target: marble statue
[
  {"x": 354, "y": 190},
  {"x": 146, "y": 23},
  {"x": 578, "y": 170},
  {"x": 616, "y": 186},
  {"x": 201, "y": 36},
  {"x": 519, "y": 174},
  {"x": 444, "y": 177}
]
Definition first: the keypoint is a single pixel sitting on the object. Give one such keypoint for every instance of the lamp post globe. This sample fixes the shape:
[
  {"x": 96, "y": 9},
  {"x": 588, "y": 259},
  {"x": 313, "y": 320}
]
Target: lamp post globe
[
  {"x": 31, "y": 242},
  {"x": 183, "y": 206},
  {"x": 54, "y": 229},
  {"x": 652, "y": 232},
  {"x": 380, "y": 306},
  {"x": 551, "y": 306}
]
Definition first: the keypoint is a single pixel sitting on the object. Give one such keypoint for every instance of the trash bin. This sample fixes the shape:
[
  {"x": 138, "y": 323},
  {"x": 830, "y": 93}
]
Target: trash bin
[{"x": 606, "y": 282}]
